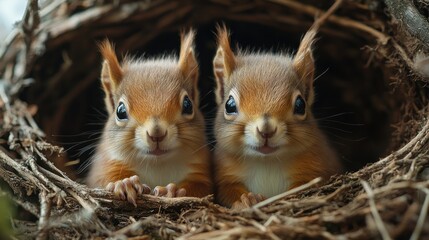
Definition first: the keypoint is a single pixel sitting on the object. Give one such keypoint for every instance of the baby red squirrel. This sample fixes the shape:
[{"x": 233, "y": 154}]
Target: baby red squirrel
[
  {"x": 155, "y": 133},
  {"x": 267, "y": 138}
]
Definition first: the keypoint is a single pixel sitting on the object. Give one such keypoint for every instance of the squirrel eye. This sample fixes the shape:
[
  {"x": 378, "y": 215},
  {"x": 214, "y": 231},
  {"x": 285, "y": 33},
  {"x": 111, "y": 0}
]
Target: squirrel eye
[
  {"x": 299, "y": 107},
  {"x": 121, "y": 112},
  {"x": 230, "y": 106},
  {"x": 187, "y": 106}
]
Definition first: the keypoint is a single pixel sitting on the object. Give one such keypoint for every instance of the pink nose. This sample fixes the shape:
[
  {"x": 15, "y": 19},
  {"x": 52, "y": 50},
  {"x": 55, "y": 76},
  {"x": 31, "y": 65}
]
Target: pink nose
[
  {"x": 157, "y": 136},
  {"x": 266, "y": 134}
]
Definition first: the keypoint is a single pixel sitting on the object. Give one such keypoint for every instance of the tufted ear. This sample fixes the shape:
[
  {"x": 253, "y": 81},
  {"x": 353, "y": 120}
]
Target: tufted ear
[
  {"x": 111, "y": 73},
  {"x": 224, "y": 62},
  {"x": 188, "y": 64},
  {"x": 303, "y": 63}
]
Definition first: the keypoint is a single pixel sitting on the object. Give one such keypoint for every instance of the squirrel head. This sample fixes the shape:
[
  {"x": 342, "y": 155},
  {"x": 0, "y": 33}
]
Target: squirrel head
[
  {"x": 152, "y": 103},
  {"x": 264, "y": 99}
]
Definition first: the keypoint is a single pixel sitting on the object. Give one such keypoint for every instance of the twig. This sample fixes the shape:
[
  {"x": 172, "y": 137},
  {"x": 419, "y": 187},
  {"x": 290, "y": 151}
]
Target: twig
[
  {"x": 404, "y": 55},
  {"x": 81, "y": 190},
  {"x": 411, "y": 19},
  {"x": 79, "y": 19},
  {"x": 54, "y": 5},
  {"x": 345, "y": 22},
  {"x": 30, "y": 23},
  {"x": 272, "y": 219},
  {"x": 130, "y": 229},
  {"x": 414, "y": 144},
  {"x": 33, "y": 124},
  {"x": 287, "y": 193},
  {"x": 4, "y": 97},
  {"x": 15, "y": 182},
  {"x": 34, "y": 168},
  {"x": 378, "y": 221},
  {"x": 24, "y": 172},
  {"x": 408, "y": 217},
  {"x": 51, "y": 165},
  {"x": 411, "y": 170},
  {"x": 322, "y": 19},
  {"x": 422, "y": 137},
  {"x": 84, "y": 203},
  {"x": 422, "y": 218},
  {"x": 264, "y": 229},
  {"x": 399, "y": 185},
  {"x": 45, "y": 213}
]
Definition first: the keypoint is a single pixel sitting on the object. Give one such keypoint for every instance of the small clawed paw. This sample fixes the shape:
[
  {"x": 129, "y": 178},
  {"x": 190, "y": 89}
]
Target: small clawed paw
[
  {"x": 247, "y": 200},
  {"x": 170, "y": 191},
  {"x": 128, "y": 189}
]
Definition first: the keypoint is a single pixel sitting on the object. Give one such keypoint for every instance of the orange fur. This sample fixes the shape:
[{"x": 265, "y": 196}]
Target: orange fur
[
  {"x": 112, "y": 171},
  {"x": 319, "y": 162},
  {"x": 198, "y": 183},
  {"x": 228, "y": 182},
  {"x": 153, "y": 92},
  {"x": 265, "y": 88},
  {"x": 231, "y": 193}
]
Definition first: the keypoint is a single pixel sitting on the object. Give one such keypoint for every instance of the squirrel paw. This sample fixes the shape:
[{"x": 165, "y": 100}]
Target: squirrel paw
[
  {"x": 170, "y": 191},
  {"x": 128, "y": 189},
  {"x": 247, "y": 200}
]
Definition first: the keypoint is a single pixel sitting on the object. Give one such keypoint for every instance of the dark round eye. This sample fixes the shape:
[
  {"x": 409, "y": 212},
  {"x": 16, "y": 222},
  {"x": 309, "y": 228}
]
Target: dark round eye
[
  {"x": 230, "y": 106},
  {"x": 187, "y": 106},
  {"x": 121, "y": 112},
  {"x": 299, "y": 107}
]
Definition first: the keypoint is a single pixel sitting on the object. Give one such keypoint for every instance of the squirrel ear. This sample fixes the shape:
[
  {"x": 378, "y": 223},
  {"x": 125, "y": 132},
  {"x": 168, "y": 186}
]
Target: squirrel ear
[
  {"x": 224, "y": 62},
  {"x": 111, "y": 73},
  {"x": 303, "y": 63},
  {"x": 188, "y": 64}
]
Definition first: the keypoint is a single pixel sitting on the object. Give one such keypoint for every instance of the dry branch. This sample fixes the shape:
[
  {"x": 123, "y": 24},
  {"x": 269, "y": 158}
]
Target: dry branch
[{"x": 405, "y": 12}]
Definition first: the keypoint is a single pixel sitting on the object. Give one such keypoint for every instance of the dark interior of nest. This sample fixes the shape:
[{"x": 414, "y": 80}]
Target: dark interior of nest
[{"x": 355, "y": 105}]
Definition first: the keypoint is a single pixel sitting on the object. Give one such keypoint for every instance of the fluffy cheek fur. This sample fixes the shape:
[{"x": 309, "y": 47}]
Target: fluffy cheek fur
[
  {"x": 229, "y": 135},
  {"x": 120, "y": 140},
  {"x": 302, "y": 135},
  {"x": 190, "y": 135}
]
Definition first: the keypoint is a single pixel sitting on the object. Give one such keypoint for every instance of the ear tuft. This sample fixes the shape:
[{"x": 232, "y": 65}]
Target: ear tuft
[
  {"x": 303, "y": 63},
  {"x": 111, "y": 73},
  {"x": 188, "y": 64},
  {"x": 114, "y": 68},
  {"x": 224, "y": 62}
]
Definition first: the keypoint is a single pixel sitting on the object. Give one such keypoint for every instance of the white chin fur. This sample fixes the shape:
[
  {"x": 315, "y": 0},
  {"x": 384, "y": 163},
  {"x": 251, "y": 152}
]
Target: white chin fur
[
  {"x": 249, "y": 151},
  {"x": 252, "y": 151}
]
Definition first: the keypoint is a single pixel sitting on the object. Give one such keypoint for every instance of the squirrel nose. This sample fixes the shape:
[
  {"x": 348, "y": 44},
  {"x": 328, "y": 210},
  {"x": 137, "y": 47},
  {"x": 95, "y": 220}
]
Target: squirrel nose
[
  {"x": 266, "y": 134},
  {"x": 157, "y": 136}
]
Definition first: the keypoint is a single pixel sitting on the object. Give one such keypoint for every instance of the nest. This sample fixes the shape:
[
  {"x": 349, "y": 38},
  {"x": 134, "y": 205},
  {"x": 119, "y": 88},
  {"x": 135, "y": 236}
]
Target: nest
[{"x": 49, "y": 89}]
